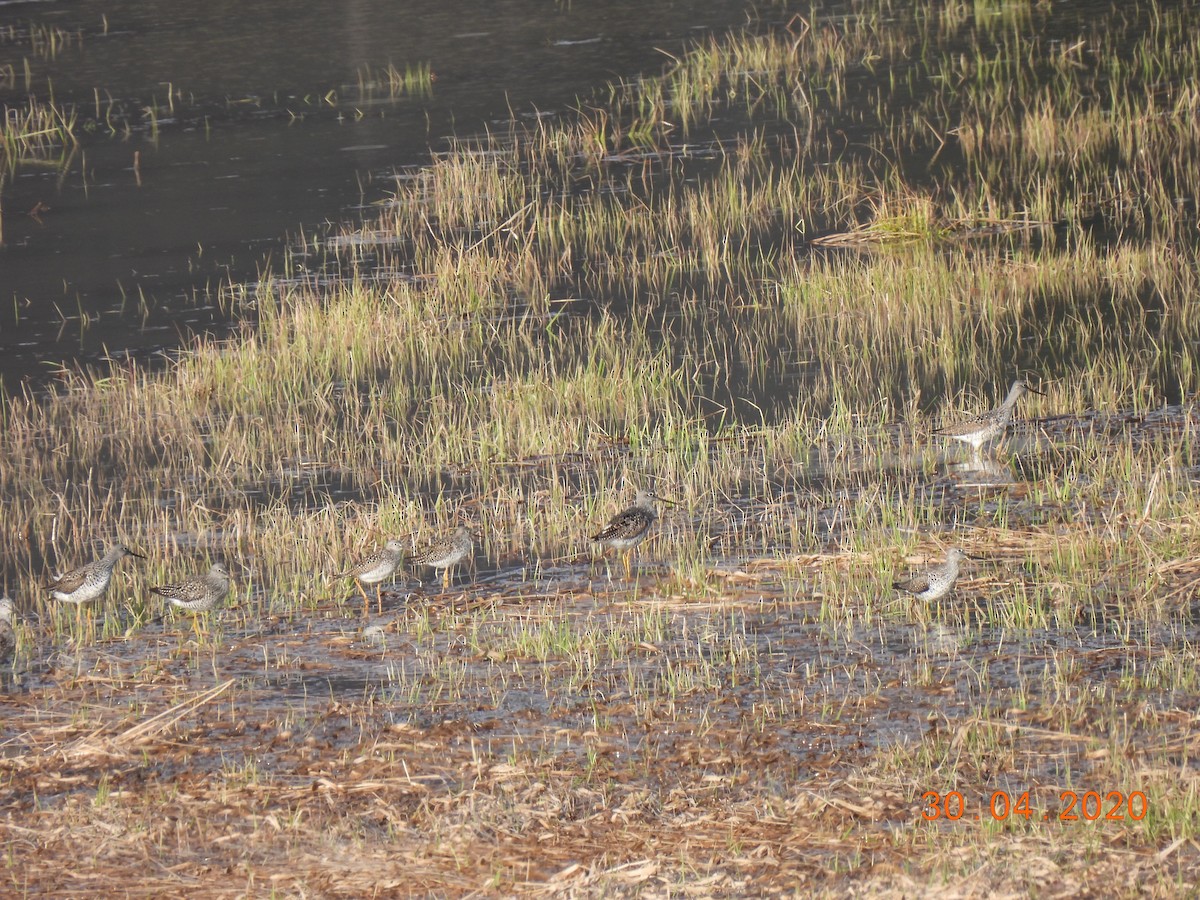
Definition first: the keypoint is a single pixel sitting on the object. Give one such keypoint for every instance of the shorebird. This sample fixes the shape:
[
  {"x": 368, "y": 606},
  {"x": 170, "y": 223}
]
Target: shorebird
[
  {"x": 376, "y": 568},
  {"x": 629, "y": 527},
  {"x": 446, "y": 552},
  {"x": 8, "y": 637},
  {"x": 934, "y": 583},
  {"x": 198, "y": 594},
  {"x": 88, "y": 583},
  {"x": 978, "y": 430}
]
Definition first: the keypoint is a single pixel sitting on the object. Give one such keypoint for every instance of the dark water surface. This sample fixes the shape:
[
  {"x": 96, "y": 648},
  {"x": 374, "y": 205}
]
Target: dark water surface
[{"x": 269, "y": 134}]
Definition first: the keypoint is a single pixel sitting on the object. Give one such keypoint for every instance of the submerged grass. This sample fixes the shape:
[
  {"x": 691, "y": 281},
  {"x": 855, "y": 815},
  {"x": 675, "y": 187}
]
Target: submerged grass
[
  {"x": 415, "y": 81},
  {"x": 36, "y": 133},
  {"x": 705, "y": 283}
]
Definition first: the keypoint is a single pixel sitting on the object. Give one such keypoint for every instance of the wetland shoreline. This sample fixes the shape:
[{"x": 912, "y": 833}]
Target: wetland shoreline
[{"x": 545, "y": 318}]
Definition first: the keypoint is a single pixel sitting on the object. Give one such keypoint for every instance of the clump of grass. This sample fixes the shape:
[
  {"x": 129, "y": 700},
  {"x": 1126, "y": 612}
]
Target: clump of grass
[
  {"x": 38, "y": 133},
  {"x": 46, "y": 40},
  {"x": 414, "y": 81}
]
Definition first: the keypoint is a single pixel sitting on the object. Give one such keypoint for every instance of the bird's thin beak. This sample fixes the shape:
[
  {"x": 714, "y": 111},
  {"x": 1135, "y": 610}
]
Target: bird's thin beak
[
  {"x": 1035, "y": 391},
  {"x": 135, "y": 553}
]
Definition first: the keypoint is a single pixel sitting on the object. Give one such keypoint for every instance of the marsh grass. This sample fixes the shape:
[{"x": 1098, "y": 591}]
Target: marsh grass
[
  {"x": 414, "y": 81},
  {"x": 37, "y": 133},
  {"x": 645, "y": 293},
  {"x": 44, "y": 40}
]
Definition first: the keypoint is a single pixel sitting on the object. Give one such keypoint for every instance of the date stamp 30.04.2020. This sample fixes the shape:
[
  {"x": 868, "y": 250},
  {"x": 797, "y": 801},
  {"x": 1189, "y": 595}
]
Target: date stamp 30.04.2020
[{"x": 1073, "y": 806}]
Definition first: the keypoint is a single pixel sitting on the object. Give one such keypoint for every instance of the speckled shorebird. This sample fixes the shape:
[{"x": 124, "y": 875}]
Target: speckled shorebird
[
  {"x": 978, "y": 430},
  {"x": 198, "y": 594},
  {"x": 376, "y": 568},
  {"x": 88, "y": 583},
  {"x": 446, "y": 552},
  {"x": 935, "y": 583},
  {"x": 8, "y": 637},
  {"x": 629, "y": 527}
]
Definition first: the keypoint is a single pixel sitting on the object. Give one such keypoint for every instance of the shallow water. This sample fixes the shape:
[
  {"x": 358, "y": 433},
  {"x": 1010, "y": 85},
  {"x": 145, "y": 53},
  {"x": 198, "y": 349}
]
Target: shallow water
[{"x": 269, "y": 136}]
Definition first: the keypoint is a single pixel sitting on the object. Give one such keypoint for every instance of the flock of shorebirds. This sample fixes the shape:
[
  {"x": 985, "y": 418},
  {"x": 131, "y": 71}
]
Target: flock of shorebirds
[{"x": 625, "y": 531}]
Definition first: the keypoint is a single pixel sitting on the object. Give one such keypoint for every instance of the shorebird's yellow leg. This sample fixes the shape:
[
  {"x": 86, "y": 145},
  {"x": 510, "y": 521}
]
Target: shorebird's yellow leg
[{"x": 366, "y": 599}]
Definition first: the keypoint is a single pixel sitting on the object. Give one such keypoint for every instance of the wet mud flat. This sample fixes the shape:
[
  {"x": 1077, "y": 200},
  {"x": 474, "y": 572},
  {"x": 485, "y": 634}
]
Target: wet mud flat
[{"x": 772, "y": 724}]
